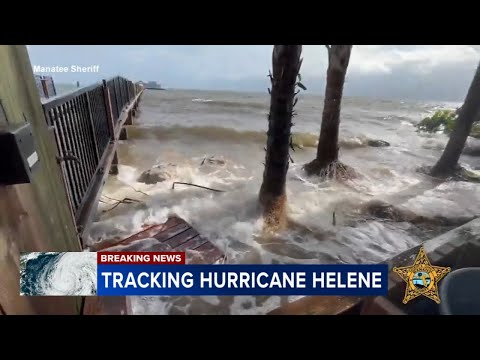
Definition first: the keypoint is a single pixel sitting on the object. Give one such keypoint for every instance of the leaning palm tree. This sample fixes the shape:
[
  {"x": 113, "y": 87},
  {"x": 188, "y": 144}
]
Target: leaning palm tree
[
  {"x": 286, "y": 66},
  {"x": 468, "y": 114},
  {"x": 326, "y": 163}
]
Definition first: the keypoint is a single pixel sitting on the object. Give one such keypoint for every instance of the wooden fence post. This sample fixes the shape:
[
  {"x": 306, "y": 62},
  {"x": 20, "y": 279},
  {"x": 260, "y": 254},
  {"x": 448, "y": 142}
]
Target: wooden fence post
[
  {"x": 34, "y": 216},
  {"x": 44, "y": 88}
]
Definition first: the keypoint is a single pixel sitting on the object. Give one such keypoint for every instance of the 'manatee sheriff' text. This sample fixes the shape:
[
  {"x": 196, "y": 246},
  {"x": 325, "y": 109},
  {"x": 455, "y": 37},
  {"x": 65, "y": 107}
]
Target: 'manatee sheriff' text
[{"x": 66, "y": 69}]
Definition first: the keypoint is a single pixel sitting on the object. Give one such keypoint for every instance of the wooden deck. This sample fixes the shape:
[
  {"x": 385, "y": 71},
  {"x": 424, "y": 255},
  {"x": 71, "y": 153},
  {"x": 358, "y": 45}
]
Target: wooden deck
[{"x": 173, "y": 235}]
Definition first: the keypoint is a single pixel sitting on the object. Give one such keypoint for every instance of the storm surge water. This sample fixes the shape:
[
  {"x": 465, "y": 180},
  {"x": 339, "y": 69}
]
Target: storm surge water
[
  {"x": 217, "y": 140},
  {"x": 68, "y": 274}
]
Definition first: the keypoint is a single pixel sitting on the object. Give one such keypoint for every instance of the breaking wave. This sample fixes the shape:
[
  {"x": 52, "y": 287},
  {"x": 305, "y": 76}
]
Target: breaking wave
[
  {"x": 238, "y": 105},
  {"x": 201, "y": 100},
  {"x": 300, "y": 139},
  {"x": 62, "y": 274}
]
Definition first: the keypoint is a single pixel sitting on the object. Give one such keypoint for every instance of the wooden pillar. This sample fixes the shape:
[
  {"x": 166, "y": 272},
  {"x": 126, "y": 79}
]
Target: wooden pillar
[
  {"x": 114, "y": 167},
  {"x": 123, "y": 134},
  {"x": 44, "y": 87},
  {"x": 129, "y": 121},
  {"x": 33, "y": 216}
]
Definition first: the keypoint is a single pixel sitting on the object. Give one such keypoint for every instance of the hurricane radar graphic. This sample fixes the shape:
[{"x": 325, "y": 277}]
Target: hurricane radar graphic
[{"x": 58, "y": 273}]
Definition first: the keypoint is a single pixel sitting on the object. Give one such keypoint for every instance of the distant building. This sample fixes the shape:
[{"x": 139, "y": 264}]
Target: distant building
[{"x": 152, "y": 85}]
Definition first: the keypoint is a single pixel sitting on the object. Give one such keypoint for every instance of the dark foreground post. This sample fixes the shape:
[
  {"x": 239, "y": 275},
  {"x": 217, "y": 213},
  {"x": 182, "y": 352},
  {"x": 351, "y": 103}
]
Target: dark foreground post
[{"x": 34, "y": 215}]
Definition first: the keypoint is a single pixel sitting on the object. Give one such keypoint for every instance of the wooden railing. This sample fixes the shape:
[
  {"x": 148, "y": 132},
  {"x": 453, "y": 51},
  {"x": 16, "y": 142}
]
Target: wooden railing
[{"x": 84, "y": 123}]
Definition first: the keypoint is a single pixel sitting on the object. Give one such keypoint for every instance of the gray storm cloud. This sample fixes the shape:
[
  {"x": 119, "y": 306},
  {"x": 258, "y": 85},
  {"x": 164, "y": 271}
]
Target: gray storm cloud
[{"x": 426, "y": 72}]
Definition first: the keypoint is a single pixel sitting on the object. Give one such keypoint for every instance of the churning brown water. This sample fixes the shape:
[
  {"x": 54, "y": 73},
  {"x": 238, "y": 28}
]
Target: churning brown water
[{"x": 178, "y": 129}]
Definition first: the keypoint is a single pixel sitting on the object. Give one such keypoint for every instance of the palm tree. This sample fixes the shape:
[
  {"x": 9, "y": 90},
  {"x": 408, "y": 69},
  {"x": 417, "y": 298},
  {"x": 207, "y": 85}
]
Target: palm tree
[
  {"x": 468, "y": 114},
  {"x": 286, "y": 64},
  {"x": 326, "y": 163}
]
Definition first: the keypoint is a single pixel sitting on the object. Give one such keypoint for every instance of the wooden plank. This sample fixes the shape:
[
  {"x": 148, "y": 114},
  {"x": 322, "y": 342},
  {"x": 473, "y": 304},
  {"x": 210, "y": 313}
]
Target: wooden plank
[
  {"x": 192, "y": 244},
  {"x": 149, "y": 232},
  {"x": 173, "y": 235},
  {"x": 173, "y": 231},
  {"x": 210, "y": 253},
  {"x": 162, "y": 230},
  {"x": 181, "y": 238}
]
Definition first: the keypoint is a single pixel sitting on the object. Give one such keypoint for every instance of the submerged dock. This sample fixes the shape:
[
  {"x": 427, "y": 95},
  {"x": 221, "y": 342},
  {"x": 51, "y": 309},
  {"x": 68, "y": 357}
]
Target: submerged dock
[{"x": 173, "y": 235}]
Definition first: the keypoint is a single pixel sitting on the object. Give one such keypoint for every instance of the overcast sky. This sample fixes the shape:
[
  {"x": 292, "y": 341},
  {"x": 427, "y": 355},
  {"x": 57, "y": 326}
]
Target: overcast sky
[{"x": 424, "y": 72}]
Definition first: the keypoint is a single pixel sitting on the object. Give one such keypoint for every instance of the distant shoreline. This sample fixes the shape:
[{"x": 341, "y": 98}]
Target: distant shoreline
[{"x": 67, "y": 87}]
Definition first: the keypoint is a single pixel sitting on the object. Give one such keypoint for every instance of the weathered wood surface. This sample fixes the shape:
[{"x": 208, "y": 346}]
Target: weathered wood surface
[
  {"x": 318, "y": 305},
  {"x": 106, "y": 305},
  {"x": 173, "y": 235},
  {"x": 34, "y": 216}
]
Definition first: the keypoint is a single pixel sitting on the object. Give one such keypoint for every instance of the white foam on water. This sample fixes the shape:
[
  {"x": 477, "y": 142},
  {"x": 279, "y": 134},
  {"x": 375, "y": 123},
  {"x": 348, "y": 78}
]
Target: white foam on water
[
  {"x": 149, "y": 305},
  {"x": 450, "y": 199},
  {"x": 201, "y": 100}
]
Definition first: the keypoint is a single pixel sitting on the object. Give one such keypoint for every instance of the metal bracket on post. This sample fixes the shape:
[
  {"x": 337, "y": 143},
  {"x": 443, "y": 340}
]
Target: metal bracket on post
[
  {"x": 69, "y": 156},
  {"x": 18, "y": 155}
]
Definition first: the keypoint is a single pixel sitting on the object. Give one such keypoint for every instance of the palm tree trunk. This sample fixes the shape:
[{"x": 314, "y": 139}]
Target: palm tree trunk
[
  {"x": 469, "y": 113},
  {"x": 327, "y": 150},
  {"x": 286, "y": 66}
]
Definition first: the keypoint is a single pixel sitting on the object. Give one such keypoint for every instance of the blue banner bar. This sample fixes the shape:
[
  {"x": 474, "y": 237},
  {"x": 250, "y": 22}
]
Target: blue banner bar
[{"x": 202, "y": 280}]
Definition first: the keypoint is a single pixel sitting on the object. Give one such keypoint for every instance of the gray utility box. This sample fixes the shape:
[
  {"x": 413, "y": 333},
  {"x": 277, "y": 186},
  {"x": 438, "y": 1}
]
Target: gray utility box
[
  {"x": 460, "y": 292},
  {"x": 18, "y": 155}
]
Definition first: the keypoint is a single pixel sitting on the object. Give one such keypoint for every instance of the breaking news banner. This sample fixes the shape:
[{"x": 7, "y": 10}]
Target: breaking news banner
[{"x": 166, "y": 274}]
